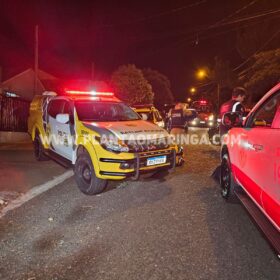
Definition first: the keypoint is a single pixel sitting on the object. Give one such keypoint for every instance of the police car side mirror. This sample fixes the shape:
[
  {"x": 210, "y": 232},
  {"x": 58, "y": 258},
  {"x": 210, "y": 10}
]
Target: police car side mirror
[
  {"x": 232, "y": 119},
  {"x": 62, "y": 118}
]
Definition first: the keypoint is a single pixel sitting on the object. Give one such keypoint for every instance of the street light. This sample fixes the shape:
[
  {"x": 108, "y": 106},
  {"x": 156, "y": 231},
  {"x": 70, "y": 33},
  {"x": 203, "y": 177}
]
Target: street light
[
  {"x": 193, "y": 90},
  {"x": 201, "y": 74}
]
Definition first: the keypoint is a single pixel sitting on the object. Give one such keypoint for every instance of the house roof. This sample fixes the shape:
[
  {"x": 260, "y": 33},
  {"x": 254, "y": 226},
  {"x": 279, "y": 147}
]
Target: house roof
[{"x": 22, "y": 84}]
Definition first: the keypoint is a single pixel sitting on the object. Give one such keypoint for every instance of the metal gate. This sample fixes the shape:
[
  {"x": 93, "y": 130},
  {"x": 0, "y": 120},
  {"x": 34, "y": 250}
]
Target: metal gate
[{"x": 13, "y": 114}]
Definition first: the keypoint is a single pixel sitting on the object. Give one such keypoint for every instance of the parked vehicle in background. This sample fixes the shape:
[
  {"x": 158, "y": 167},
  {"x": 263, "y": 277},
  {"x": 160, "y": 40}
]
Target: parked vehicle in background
[
  {"x": 250, "y": 165},
  {"x": 149, "y": 113},
  {"x": 205, "y": 115}
]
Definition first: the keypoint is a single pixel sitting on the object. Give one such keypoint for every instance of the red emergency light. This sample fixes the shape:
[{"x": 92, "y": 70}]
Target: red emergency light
[
  {"x": 91, "y": 93},
  {"x": 203, "y": 102}
]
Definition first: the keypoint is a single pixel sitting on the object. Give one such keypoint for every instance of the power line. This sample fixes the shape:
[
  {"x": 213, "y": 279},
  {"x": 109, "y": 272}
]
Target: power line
[
  {"x": 234, "y": 13},
  {"x": 255, "y": 18},
  {"x": 221, "y": 23},
  {"x": 148, "y": 18},
  {"x": 191, "y": 39},
  {"x": 270, "y": 12},
  {"x": 258, "y": 50},
  {"x": 227, "y": 17}
]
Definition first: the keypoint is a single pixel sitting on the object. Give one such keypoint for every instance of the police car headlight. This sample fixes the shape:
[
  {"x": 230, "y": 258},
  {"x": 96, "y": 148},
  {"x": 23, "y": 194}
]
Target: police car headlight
[
  {"x": 113, "y": 144},
  {"x": 211, "y": 118}
]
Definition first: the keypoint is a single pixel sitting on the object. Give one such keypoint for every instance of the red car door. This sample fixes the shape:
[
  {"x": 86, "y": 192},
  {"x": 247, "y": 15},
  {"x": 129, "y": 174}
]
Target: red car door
[
  {"x": 245, "y": 162},
  {"x": 261, "y": 144}
]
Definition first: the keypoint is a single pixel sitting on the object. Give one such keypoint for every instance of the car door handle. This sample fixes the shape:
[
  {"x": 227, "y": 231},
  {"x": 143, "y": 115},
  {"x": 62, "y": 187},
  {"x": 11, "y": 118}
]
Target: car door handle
[
  {"x": 257, "y": 147},
  {"x": 254, "y": 147}
]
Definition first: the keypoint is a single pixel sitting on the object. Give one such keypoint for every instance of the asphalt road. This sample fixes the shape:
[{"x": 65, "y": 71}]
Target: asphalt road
[{"x": 172, "y": 227}]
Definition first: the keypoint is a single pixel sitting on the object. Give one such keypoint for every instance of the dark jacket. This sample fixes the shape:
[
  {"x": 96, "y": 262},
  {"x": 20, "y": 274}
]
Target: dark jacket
[
  {"x": 177, "y": 118},
  {"x": 232, "y": 106}
]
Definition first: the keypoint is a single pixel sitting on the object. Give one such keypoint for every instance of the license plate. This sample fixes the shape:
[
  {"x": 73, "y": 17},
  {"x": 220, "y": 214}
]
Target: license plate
[
  {"x": 202, "y": 122},
  {"x": 156, "y": 160}
]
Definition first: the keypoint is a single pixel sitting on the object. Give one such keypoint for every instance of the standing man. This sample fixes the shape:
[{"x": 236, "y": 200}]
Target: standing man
[
  {"x": 177, "y": 121},
  {"x": 233, "y": 105}
]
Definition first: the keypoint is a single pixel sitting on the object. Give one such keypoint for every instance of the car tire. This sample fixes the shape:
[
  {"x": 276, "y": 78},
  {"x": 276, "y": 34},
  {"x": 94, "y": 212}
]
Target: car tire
[
  {"x": 85, "y": 176},
  {"x": 227, "y": 181},
  {"x": 39, "y": 150}
]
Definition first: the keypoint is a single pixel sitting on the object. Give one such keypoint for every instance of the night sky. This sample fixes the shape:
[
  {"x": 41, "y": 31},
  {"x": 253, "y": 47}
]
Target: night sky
[{"x": 169, "y": 36}]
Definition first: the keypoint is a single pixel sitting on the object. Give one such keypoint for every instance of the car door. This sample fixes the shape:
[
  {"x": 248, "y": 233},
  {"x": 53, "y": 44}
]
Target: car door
[
  {"x": 244, "y": 161},
  {"x": 262, "y": 141},
  {"x": 66, "y": 131},
  {"x": 61, "y": 133}
]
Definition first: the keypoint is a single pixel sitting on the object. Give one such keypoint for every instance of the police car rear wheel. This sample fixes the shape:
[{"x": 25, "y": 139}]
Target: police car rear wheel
[
  {"x": 85, "y": 177},
  {"x": 227, "y": 182},
  {"x": 39, "y": 149}
]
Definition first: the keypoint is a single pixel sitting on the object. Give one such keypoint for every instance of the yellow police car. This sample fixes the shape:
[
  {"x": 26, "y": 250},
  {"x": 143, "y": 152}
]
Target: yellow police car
[
  {"x": 149, "y": 113},
  {"x": 100, "y": 136}
]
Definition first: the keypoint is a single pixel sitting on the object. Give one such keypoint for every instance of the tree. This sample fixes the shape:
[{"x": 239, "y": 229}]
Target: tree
[
  {"x": 251, "y": 39},
  {"x": 263, "y": 74},
  {"x": 161, "y": 87},
  {"x": 130, "y": 85}
]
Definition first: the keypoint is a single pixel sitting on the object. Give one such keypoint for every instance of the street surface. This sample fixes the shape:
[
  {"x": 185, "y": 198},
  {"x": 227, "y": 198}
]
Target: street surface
[{"x": 172, "y": 227}]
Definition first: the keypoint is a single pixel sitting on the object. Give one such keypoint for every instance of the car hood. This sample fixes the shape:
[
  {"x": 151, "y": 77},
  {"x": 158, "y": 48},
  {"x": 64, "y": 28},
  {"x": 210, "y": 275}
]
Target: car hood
[{"x": 128, "y": 130}]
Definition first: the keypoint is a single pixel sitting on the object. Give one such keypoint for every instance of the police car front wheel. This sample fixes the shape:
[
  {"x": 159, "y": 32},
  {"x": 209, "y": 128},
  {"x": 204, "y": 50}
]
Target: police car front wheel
[{"x": 85, "y": 176}]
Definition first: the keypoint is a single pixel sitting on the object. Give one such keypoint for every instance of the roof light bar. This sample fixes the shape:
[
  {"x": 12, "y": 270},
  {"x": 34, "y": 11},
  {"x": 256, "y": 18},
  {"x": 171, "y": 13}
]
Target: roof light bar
[{"x": 93, "y": 93}]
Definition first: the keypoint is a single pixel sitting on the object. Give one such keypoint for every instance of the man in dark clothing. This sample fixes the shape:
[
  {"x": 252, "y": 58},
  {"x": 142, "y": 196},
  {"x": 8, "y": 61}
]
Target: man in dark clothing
[
  {"x": 177, "y": 117},
  {"x": 233, "y": 105}
]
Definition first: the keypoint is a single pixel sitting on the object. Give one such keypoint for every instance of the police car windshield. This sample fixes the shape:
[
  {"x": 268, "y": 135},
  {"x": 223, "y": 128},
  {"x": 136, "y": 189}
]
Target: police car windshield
[{"x": 104, "y": 111}]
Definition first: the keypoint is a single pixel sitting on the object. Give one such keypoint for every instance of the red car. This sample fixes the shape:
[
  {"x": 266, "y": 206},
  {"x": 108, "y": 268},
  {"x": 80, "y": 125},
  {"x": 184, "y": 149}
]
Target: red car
[{"x": 250, "y": 167}]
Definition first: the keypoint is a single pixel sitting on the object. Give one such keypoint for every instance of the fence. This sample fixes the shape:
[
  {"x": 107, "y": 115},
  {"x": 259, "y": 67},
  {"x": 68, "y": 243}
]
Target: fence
[{"x": 13, "y": 114}]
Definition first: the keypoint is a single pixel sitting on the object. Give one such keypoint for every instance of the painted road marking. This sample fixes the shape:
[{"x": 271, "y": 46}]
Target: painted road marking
[{"x": 35, "y": 192}]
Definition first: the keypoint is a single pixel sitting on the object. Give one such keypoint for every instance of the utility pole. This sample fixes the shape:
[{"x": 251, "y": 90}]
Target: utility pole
[
  {"x": 1, "y": 72},
  {"x": 218, "y": 93},
  {"x": 92, "y": 71},
  {"x": 36, "y": 58},
  {"x": 218, "y": 80}
]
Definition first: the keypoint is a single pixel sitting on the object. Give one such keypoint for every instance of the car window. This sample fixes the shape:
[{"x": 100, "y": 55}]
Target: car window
[
  {"x": 104, "y": 111},
  {"x": 265, "y": 115},
  {"x": 68, "y": 110},
  {"x": 55, "y": 107}
]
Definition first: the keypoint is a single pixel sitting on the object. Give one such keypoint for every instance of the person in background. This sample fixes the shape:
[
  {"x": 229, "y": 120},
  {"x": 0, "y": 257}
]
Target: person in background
[
  {"x": 177, "y": 119},
  {"x": 233, "y": 105}
]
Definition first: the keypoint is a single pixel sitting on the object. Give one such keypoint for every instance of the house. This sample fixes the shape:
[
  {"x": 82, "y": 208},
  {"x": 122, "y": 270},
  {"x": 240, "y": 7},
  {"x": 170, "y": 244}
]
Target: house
[
  {"x": 17, "y": 93},
  {"x": 22, "y": 85}
]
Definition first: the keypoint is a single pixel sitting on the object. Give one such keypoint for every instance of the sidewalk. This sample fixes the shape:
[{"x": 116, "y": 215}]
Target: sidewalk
[{"x": 20, "y": 172}]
